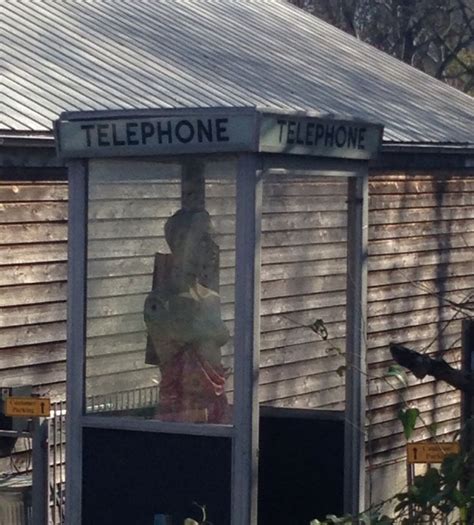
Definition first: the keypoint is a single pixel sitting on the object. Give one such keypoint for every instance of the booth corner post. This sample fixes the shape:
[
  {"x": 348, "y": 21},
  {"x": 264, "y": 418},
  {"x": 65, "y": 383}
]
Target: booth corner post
[
  {"x": 40, "y": 474},
  {"x": 247, "y": 332},
  {"x": 76, "y": 335},
  {"x": 356, "y": 360}
]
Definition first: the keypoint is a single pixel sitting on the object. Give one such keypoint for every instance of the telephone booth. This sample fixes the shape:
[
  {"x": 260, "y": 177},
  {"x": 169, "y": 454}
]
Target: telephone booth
[{"x": 217, "y": 283}]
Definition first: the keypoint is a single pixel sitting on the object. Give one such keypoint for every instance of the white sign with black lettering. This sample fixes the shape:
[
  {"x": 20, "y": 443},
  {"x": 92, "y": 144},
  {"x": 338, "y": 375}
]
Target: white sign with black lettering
[
  {"x": 320, "y": 137},
  {"x": 117, "y": 134},
  {"x": 158, "y": 135}
]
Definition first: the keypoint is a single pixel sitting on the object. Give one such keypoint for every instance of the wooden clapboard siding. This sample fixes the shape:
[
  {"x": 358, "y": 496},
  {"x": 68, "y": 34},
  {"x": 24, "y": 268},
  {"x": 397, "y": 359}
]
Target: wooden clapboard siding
[
  {"x": 421, "y": 254},
  {"x": 149, "y": 227},
  {"x": 33, "y": 273},
  {"x": 32, "y": 191},
  {"x": 33, "y": 267},
  {"x": 32, "y": 314},
  {"x": 126, "y": 229},
  {"x": 303, "y": 235},
  {"x": 32, "y": 253},
  {"x": 32, "y": 233},
  {"x": 31, "y": 355},
  {"x": 36, "y": 376},
  {"x": 421, "y": 239},
  {"x": 44, "y": 211},
  {"x": 34, "y": 334},
  {"x": 306, "y": 281}
]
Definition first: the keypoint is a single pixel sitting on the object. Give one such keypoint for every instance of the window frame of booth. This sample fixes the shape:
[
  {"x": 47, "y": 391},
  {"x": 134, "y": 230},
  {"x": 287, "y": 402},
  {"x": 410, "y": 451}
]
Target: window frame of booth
[{"x": 244, "y": 429}]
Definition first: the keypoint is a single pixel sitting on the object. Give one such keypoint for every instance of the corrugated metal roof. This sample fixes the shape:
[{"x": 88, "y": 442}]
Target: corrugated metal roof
[{"x": 117, "y": 54}]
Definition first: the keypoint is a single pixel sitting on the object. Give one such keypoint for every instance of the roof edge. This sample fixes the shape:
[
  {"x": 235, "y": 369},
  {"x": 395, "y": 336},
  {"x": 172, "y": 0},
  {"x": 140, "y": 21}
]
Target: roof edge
[
  {"x": 428, "y": 147},
  {"x": 46, "y": 139},
  {"x": 27, "y": 139}
]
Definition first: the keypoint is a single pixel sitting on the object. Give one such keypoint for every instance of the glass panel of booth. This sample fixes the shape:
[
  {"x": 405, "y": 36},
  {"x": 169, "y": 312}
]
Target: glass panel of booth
[
  {"x": 160, "y": 289},
  {"x": 303, "y": 293},
  {"x": 302, "y": 343}
]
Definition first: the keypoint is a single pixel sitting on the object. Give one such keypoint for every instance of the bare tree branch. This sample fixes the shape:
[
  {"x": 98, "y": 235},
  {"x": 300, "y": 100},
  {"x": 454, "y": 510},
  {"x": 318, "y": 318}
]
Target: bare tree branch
[
  {"x": 429, "y": 34},
  {"x": 422, "y": 366}
]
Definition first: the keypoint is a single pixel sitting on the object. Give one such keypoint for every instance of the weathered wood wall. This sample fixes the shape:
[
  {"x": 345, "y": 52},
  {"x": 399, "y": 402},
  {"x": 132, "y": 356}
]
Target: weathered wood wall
[
  {"x": 126, "y": 229},
  {"x": 421, "y": 263},
  {"x": 420, "y": 257},
  {"x": 303, "y": 280},
  {"x": 33, "y": 268},
  {"x": 303, "y": 274}
]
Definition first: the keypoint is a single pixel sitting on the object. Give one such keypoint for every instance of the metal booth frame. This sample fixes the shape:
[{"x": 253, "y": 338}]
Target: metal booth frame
[{"x": 260, "y": 148}]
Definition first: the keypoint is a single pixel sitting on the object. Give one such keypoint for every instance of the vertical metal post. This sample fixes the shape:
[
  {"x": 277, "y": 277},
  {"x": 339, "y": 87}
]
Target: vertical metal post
[
  {"x": 247, "y": 343},
  {"x": 410, "y": 479},
  {"x": 40, "y": 491},
  {"x": 62, "y": 440},
  {"x": 54, "y": 447},
  {"x": 76, "y": 334},
  {"x": 354, "y": 438},
  {"x": 467, "y": 403},
  {"x": 467, "y": 400}
]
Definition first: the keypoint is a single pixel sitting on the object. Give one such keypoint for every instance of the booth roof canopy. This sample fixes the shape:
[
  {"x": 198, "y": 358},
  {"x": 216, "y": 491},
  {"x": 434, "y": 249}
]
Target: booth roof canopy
[{"x": 106, "y": 54}]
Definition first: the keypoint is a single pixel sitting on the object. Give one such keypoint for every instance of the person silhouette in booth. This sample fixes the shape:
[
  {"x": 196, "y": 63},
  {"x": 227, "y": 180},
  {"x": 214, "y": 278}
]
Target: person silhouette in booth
[{"x": 185, "y": 327}]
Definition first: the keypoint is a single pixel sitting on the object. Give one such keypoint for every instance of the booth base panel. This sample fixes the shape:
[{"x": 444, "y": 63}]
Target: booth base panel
[
  {"x": 301, "y": 466},
  {"x": 130, "y": 477}
]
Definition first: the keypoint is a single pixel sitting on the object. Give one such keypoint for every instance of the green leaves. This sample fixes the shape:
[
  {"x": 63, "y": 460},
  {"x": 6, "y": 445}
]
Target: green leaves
[
  {"x": 423, "y": 493},
  {"x": 398, "y": 373},
  {"x": 408, "y": 418},
  {"x": 452, "y": 468},
  {"x": 374, "y": 518},
  {"x": 438, "y": 492},
  {"x": 433, "y": 429},
  {"x": 367, "y": 518},
  {"x": 334, "y": 520},
  {"x": 432, "y": 498}
]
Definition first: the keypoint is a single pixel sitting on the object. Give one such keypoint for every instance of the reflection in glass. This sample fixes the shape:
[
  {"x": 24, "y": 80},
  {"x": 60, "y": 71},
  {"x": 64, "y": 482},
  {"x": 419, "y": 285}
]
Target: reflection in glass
[
  {"x": 160, "y": 287},
  {"x": 303, "y": 291},
  {"x": 185, "y": 328}
]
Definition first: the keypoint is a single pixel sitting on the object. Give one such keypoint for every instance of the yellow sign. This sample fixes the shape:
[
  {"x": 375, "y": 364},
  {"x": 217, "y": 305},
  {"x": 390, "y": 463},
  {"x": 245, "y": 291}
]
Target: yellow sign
[
  {"x": 27, "y": 406},
  {"x": 430, "y": 452}
]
